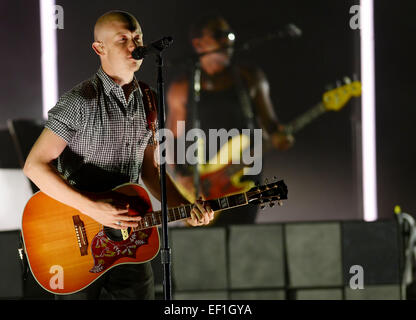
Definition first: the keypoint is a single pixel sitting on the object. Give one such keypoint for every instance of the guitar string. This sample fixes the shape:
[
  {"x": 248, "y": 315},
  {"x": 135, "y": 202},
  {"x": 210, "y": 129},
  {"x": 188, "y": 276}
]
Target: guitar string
[
  {"x": 92, "y": 226},
  {"x": 172, "y": 214}
]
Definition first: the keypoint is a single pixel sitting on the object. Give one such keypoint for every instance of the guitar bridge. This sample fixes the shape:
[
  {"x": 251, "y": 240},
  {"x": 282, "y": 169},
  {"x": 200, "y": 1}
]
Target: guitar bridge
[{"x": 81, "y": 235}]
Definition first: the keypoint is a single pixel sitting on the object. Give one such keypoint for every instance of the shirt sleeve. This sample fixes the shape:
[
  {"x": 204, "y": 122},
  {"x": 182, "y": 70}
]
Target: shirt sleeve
[{"x": 66, "y": 117}]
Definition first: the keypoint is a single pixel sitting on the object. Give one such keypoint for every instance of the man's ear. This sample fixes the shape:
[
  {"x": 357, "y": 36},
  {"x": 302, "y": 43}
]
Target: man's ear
[{"x": 98, "y": 47}]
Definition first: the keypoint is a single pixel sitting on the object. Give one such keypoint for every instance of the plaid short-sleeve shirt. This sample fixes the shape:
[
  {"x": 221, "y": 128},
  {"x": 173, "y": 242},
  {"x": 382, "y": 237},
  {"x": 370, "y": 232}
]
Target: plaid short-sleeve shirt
[{"x": 106, "y": 134}]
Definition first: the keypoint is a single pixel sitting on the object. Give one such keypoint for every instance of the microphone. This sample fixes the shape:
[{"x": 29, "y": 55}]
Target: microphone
[{"x": 154, "y": 48}]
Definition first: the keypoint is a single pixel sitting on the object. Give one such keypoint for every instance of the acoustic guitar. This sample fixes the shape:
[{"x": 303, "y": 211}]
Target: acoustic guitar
[{"x": 67, "y": 250}]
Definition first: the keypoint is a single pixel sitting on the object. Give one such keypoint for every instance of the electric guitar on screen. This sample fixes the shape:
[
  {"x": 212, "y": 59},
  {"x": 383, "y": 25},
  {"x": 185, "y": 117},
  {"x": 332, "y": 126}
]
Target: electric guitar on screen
[
  {"x": 222, "y": 176},
  {"x": 68, "y": 250}
]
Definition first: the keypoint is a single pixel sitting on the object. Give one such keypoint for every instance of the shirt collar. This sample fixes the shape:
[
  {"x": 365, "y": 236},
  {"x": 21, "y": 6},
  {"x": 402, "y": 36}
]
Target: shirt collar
[{"x": 109, "y": 84}]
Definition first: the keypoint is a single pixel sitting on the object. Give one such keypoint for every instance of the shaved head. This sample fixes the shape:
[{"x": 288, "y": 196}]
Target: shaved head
[
  {"x": 108, "y": 19},
  {"x": 116, "y": 35}
]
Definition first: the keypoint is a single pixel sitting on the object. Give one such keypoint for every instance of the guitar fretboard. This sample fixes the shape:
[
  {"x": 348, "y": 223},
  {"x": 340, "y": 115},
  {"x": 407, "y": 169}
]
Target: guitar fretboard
[
  {"x": 305, "y": 118},
  {"x": 154, "y": 218}
]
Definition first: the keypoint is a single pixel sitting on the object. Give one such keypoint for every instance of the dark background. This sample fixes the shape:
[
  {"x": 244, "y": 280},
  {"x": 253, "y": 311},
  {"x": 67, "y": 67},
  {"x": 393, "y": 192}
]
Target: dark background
[{"x": 320, "y": 170}]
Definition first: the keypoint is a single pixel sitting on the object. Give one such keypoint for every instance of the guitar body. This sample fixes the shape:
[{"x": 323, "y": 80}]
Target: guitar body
[
  {"x": 68, "y": 250},
  {"x": 218, "y": 183},
  {"x": 222, "y": 174}
]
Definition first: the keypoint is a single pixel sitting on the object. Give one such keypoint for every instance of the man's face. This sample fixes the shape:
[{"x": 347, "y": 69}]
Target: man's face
[
  {"x": 211, "y": 40},
  {"x": 119, "y": 41}
]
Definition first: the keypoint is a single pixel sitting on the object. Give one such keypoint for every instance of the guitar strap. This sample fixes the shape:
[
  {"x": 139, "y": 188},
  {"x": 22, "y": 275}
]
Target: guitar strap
[{"x": 150, "y": 108}]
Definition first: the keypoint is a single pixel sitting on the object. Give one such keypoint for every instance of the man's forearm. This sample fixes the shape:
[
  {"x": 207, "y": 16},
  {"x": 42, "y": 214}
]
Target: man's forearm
[
  {"x": 48, "y": 180},
  {"x": 174, "y": 197}
]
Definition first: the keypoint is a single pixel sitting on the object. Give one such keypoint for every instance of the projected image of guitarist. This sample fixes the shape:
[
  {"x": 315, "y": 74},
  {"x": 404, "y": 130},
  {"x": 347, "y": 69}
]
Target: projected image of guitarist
[
  {"x": 98, "y": 135},
  {"x": 231, "y": 96},
  {"x": 221, "y": 94}
]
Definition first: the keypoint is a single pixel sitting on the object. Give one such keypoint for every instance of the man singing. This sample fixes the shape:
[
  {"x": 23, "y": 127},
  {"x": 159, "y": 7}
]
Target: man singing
[{"x": 95, "y": 139}]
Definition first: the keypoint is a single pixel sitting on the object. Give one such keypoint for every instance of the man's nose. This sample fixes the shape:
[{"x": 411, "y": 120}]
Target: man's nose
[{"x": 133, "y": 44}]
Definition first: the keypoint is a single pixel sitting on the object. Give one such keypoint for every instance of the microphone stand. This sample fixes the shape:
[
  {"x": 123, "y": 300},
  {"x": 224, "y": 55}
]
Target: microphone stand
[
  {"x": 289, "y": 31},
  {"x": 196, "y": 122},
  {"x": 165, "y": 251}
]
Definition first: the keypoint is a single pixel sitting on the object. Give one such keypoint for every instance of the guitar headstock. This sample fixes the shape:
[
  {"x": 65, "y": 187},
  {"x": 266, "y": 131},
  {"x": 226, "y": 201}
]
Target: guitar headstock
[
  {"x": 336, "y": 99},
  {"x": 270, "y": 193}
]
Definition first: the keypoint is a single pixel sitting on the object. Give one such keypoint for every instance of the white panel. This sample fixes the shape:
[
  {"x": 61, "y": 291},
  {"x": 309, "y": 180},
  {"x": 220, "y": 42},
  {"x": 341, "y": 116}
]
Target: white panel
[
  {"x": 48, "y": 55},
  {"x": 15, "y": 191},
  {"x": 368, "y": 112}
]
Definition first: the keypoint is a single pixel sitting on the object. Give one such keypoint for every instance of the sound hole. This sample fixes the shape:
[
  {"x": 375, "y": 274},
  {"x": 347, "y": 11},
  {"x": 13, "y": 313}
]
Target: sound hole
[{"x": 114, "y": 234}]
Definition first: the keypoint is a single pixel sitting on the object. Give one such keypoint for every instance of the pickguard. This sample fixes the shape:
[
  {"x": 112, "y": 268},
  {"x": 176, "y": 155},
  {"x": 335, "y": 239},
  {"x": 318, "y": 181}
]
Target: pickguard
[{"x": 105, "y": 251}]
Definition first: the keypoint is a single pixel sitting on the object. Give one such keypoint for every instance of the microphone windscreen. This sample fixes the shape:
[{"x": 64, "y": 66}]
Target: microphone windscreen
[{"x": 139, "y": 53}]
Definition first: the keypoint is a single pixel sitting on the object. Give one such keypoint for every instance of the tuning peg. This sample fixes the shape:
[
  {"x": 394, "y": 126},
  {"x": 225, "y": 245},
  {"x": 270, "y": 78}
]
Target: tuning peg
[
  {"x": 262, "y": 204},
  {"x": 280, "y": 203},
  {"x": 275, "y": 178},
  {"x": 266, "y": 181},
  {"x": 339, "y": 83},
  {"x": 347, "y": 80},
  {"x": 271, "y": 204}
]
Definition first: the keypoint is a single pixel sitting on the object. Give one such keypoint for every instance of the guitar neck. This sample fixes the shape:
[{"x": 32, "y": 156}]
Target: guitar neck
[
  {"x": 304, "y": 119},
  {"x": 154, "y": 218}
]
